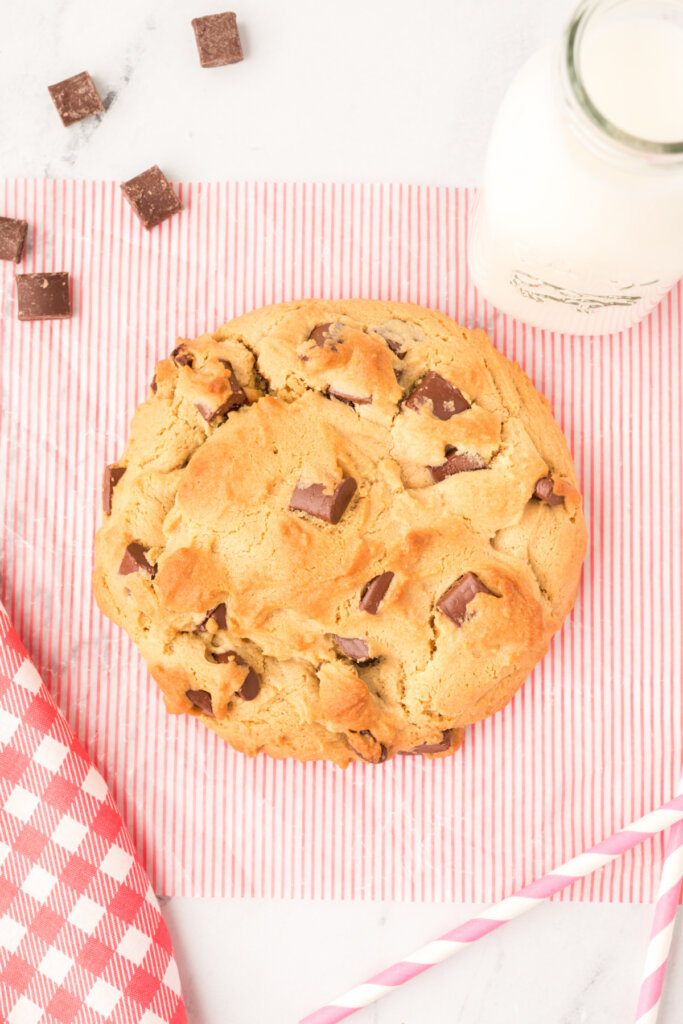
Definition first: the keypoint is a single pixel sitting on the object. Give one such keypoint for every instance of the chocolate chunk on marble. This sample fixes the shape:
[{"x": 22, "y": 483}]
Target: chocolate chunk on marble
[
  {"x": 352, "y": 647},
  {"x": 219, "y": 615},
  {"x": 152, "y": 197},
  {"x": 252, "y": 683},
  {"x": 12, "y": 238},
  {"x": 43, "y": 296},
  {"x": 236, "y": 397},
  {"x": 112, "y": 475},
  {"x": 374, "y": 591},
  {"x": 456, "y": 462},
  {"x": 76, "y": 98},
  {"x": 446, "y": 400},
  {"x": 454, "y": 602},
  {"x": 201, "y": 699},
  {"x": 218, "y": 40},
  {"x": 322, "y": 504},
  {"x": 544, "y": 492},
  {"x": 135, "y": 560}
]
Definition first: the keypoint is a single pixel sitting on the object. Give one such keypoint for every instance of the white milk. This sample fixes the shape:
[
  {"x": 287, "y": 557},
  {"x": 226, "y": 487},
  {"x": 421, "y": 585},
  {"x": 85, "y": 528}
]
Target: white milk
[{"x": 578, "y": 228}]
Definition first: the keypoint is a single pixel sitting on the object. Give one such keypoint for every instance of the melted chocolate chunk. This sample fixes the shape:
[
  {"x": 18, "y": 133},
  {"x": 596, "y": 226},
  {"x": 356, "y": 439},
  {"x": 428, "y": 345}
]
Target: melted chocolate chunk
[
  {"x": 379, "y": 757},
  {"x": 12, "y": 238},
  {"x": 373, "y": 592},
  {"x": 544, "y": 492},
  {"x": 252, "y": 684},
  {"x": 201, "y": 699},
  {"x": 352, "y": 647},
  {"x": 456, "y": 462},
  {"x": 182, "y": 356},
  {"x": 135, "y": 560},
  {"x": 152, "y": 197},
  {"x": 326, "y": 335},
  {"x": 435, "y": 748},
  {"x": 112, "y": 475},
  {"x": 234, "y": 400},
  {"x": 218, "y": 614},
  {"x": 395, "y": 348},
  {"x": 250, "y": 687},
  {"x": 349, "y": 399},
  {"x": 393, "y": 343},
  {"x": 454, "y": 602},
  {"x": 446, "y": 400},
  {"x": 316, "y": 501}
]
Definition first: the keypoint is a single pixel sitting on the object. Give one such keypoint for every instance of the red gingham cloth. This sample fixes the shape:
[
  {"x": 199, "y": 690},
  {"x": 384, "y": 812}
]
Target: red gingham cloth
[{"x": 82, "y": 939}]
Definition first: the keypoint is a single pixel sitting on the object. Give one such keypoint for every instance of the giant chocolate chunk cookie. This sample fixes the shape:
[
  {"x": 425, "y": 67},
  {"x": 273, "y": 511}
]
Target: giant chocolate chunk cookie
[{"x": 340, "y": 530}]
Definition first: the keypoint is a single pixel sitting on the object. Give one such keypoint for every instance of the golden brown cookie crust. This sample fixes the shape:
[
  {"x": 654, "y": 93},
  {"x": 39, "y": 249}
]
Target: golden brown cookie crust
[{"x": 251, "y": 612}]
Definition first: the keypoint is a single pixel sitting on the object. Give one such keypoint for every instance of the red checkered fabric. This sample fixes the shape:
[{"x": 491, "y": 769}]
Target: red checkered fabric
[{"x": 82, "y": 939}]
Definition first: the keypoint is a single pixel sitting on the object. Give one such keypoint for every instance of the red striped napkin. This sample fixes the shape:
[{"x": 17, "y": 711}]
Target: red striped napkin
[{"x": 82, "y": 939}]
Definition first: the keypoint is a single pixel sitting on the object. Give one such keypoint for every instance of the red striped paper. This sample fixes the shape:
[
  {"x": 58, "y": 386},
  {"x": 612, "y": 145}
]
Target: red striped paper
[{"x": 594, "y": 738}]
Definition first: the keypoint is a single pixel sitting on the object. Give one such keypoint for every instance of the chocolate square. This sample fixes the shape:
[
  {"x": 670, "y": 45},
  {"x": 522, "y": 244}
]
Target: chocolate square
[
  {"x": 446, "y": 399},
  {"x": 43, "y": 296},
  {"x": 218, "y": 40},
  {"x": 152, "y": 197},
  {"x": 316, "y": 501},
  {"x": 454, "y": 602},
  {"x": 75, "y": 98},
  {"x": 374, "y": 591},
  {"x": 12, "y": 238}
]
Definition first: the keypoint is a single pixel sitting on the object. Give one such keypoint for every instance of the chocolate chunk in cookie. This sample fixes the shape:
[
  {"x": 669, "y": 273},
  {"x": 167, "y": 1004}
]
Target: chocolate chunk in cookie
[
  {"x": 440, "y": 747},
  {"x": 349, "y": 399},
  {"x": 318, "y": 502},
  {"x": 454, "y": 602},
  {"x": 373, "y": 592},
  {"x": 12, "y": 238},
  {"x": 326, "y": 335},
  {"x": 218, "y": 40},
  {"x": 219, "y": 615},
  {"x": 252, "y": 683},
  {"x": 135, "y": 560},
  {"x": 75, "y": 98},
  {"x": 112, "y": 475},
  {"x": 370, "y": 749},
  {"x": 236, "y": 397},
  {"x": 544, "y": 492},
  {"x": 43, "y": 296},
  {"x": 182, "y": 356},
  {"x": 201, "y": 699},
  {"x": 152, "y": 197},
  {"x": 352, "y": 647},
  {"x": 456, "y": 462},
  {"x": 445, "y": 399}
]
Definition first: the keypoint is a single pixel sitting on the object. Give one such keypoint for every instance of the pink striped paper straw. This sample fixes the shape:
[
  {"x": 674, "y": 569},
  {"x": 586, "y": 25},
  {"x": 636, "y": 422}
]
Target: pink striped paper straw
[
  {"x": 519, "y": 903},
  {"x": 668, "y": 898}
]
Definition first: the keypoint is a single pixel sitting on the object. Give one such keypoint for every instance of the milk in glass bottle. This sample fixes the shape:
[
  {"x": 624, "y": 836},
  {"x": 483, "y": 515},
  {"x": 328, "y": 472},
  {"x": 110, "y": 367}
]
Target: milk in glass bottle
[{"x": 579, "y": 225}]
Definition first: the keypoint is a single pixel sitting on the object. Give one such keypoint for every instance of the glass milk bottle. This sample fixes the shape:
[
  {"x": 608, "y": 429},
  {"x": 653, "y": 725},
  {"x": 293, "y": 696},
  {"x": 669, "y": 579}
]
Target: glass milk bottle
[{"x": 579, "y": 225}]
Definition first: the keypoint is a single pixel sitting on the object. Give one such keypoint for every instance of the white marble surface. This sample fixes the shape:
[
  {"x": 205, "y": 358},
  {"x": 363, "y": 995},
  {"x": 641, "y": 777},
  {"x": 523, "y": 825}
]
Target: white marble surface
[
  {"x": 258, "y": 962},
  {"x": 330, "y": 90}
]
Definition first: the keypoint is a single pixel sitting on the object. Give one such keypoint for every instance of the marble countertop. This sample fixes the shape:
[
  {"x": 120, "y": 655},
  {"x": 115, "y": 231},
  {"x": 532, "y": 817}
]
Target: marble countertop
[{"x": 364, "y": 90}]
